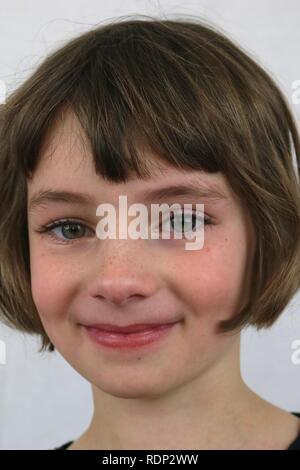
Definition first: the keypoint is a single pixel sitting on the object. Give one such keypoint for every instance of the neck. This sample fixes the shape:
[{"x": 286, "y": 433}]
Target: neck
[{"x": 199, "y": 414}]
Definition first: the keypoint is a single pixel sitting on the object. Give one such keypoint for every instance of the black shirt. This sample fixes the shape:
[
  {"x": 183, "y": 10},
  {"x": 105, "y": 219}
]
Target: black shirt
[{"x": 295, "y": 445}]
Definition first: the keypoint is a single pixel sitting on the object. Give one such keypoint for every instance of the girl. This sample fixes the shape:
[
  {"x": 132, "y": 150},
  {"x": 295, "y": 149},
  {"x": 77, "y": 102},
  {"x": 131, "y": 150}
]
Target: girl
[{"x": 161, "y": 111}]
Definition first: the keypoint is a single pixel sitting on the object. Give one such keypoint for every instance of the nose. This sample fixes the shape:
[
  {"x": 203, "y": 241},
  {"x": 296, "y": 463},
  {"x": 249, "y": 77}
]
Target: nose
[
  {"x": 117, "y": 290},
  {"x": 122, "y": 278}
]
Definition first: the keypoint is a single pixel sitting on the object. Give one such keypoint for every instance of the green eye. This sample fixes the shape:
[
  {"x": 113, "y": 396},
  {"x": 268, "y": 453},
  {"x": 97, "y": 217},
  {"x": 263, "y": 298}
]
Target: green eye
[
  {"x": 69, "y": 230},
  {"x": 186, "y": 222},
  {"x": 74, "y": 230}
]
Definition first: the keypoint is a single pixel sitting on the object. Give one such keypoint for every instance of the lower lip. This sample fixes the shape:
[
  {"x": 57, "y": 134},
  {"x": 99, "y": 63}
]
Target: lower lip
[{"x": 129, "y": 340}]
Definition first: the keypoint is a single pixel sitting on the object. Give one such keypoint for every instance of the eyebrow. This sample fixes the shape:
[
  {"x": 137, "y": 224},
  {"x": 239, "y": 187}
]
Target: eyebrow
[
  {"x": 194, "y": 190},
  {"x": 50, "y": 195}
]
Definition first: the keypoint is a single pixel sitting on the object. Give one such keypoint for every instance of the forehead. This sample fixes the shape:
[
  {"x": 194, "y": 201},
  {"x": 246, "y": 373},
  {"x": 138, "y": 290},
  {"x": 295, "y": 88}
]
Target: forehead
[{"x": 66, "y": 162}]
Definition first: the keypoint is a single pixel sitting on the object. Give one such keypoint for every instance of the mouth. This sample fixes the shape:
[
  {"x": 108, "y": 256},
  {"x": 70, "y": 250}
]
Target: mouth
[
  {"x": 133, "y": 328},
  {"x": 132, "y": 336}
]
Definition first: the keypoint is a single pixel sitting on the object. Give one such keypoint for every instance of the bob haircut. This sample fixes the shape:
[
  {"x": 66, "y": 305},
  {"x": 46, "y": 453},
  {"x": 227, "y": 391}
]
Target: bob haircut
[{"x": 184, "y": 90}]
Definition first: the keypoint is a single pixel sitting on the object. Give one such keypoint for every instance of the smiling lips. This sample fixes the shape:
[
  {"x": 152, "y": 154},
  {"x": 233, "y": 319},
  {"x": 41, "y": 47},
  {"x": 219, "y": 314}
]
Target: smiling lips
[
  {"x": 128, "y": 329},
  {"x": 131, "y": 336}
]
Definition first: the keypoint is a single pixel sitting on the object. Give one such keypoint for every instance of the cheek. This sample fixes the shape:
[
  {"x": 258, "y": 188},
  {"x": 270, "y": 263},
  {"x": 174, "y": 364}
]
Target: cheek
[
  {"x": 211, "y": 281},
  {"x": 53, "y": 289},
  {"x": 51, "y": 286}
]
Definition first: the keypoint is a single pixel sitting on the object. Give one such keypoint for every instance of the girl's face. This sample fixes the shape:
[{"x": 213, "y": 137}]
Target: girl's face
[{"x": 127, "y": 281}]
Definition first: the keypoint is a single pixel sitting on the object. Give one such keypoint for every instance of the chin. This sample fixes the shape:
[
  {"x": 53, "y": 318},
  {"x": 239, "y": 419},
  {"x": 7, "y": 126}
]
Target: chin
[{"x": 132, "y": 388}]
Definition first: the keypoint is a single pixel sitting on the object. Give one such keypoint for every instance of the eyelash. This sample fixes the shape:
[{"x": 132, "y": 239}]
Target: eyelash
[
  {"x": 48, "y": 229},
  {"x": 207, "y": 220}
]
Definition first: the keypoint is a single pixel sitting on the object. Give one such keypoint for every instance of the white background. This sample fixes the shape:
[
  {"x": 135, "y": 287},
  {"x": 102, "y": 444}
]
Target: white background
[{"x": 43, "y": 401}]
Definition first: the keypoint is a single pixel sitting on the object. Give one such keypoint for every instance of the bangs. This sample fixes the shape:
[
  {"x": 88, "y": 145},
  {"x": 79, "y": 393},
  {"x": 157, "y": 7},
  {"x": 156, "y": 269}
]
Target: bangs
[{"x": 132, "y": 88}]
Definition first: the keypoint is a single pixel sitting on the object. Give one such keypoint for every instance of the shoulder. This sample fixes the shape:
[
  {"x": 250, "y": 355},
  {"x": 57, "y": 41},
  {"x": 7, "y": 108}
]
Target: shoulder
[
  {"x": 64, "y": 446},
  {"x": 295, "y": 445}
]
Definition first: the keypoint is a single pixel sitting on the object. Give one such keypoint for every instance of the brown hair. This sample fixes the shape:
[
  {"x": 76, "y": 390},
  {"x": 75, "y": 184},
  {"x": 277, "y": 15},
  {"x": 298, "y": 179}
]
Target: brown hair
[{"x": 195, "y": 98}]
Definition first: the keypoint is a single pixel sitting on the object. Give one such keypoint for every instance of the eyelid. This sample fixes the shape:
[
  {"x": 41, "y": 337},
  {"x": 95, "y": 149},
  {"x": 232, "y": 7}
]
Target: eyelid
[
  {"x": 207, "y": 220},
  {"x": 196, "y": 212},
  {"x": 48, "y": 229},
  {"x": 66, "y": 220}
]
